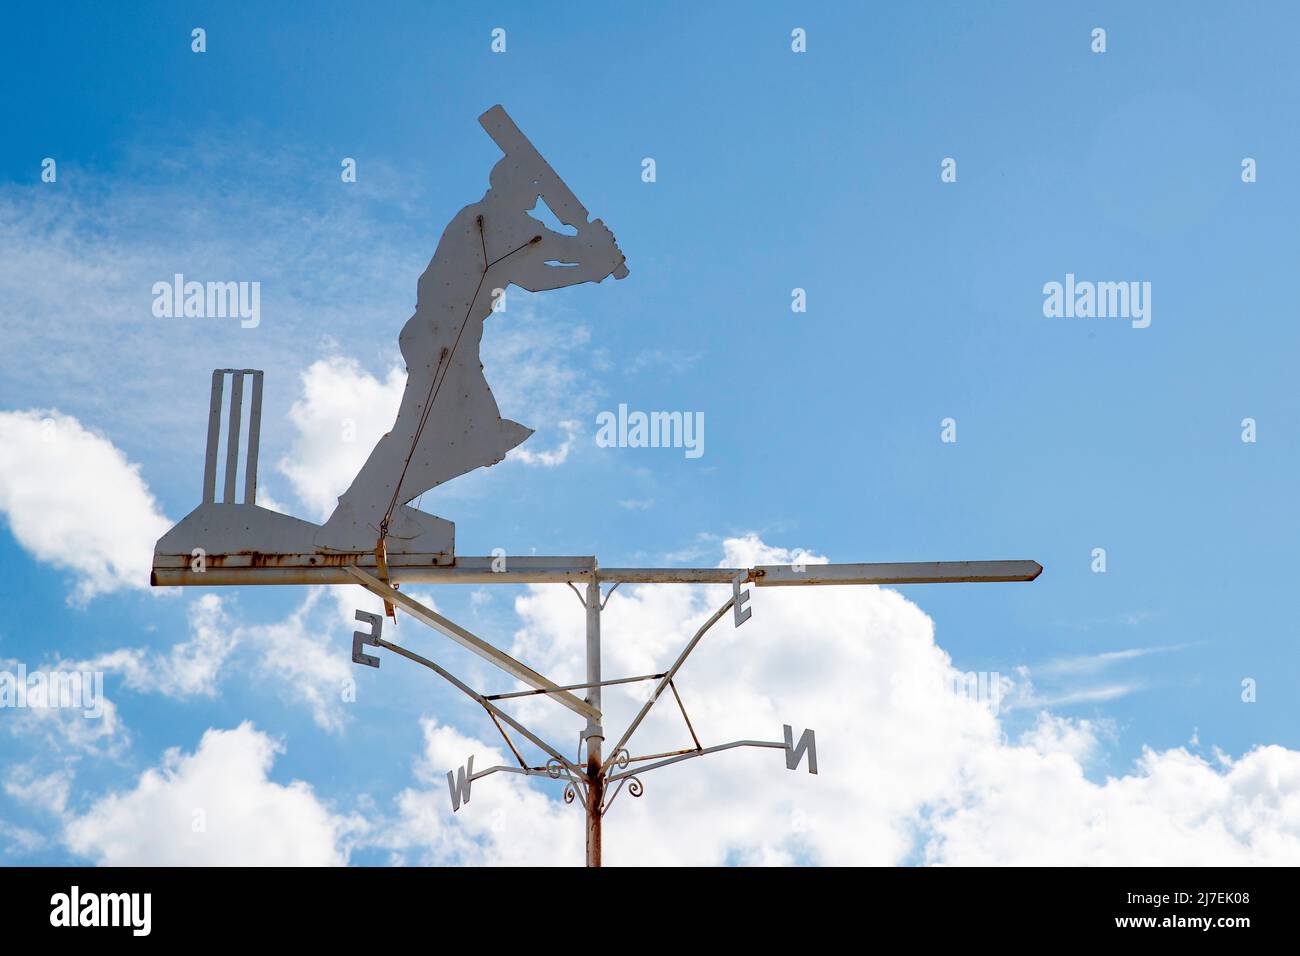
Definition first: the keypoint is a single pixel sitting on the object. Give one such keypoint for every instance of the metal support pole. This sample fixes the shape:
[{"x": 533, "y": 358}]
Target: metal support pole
[{"x": 595, "y": 732}]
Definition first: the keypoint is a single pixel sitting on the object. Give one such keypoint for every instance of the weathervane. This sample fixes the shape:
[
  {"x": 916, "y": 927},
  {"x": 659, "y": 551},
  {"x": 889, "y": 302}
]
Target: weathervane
[{"x": 448, "y": 424}]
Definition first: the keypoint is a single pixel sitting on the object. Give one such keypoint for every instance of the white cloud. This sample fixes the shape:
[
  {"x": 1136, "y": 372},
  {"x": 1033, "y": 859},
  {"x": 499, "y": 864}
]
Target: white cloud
[
  {"x": 1087, "y": 695},
  {"x": 19, "y": 841},
  {"x": 305, "y": 655},
  {"x": 214, "y": 807},
  {"x": 192, "y": 667},
  {"x": 342, "y": 412},
  {"x": 549, "y": 458},
  {"x": 68, "y": 714},
  {"x": 506, "y": 822},
  {"x": 904, "y": 775},
  {"x": 908, "y": 772},
  {"x": 672, "y": 361},
  {"x": 1025, "y": 807},
  {"x": 80, "y": 265},
  {"x": 342, "y": 409},
  {"x": 833, "y": 659},
  {"x": 1079, "y": 738},
  {"x": 338, "y": 275},
  {"x": 46, "y": 792},
  {"x": 74, "y": 501},
  {"x": 1091, "y": 663},
  {"x": 309, "y": 656},
  {"x": 60, "y": 729},
  {"x": 535, "y": 357}
]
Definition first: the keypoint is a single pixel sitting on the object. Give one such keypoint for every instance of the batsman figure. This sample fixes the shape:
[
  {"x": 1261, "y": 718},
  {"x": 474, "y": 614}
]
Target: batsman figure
[{"x": 449, "y": 423}]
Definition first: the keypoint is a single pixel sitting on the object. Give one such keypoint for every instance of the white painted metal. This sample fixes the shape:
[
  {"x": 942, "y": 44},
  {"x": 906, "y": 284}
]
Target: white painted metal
[
  {"x": 232, "y": 435},
  {"x": 235, "y": 536},
  {"x": 678, "y": 758},
  {"x": 908, "y": 572},
  {"x": 254, "y": 439},
  {"x": 172, "y": 568},
  {"x": 214, "y": 437},
  {"x": 448, "y": 423},
  {"x": 561, "y": 200}
]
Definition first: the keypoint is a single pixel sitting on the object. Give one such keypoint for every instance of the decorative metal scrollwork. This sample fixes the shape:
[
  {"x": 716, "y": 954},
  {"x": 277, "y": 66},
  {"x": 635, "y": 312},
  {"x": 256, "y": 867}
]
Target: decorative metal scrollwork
[
  {"x": 555, "y": 769},
  {"x": 634, "y": 786}
]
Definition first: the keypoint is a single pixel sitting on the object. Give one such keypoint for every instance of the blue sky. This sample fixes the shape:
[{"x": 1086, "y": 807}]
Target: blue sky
[{"x": 775, "y": 170}]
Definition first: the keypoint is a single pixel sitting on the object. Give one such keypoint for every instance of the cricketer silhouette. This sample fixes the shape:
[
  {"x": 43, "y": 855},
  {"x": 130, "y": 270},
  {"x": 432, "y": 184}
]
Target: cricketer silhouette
[{"x": 448, "y": 422}]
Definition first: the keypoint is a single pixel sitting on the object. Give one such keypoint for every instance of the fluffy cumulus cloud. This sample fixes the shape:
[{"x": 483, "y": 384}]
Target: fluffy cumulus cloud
[
  {"x": 341, "y": 413},
  {"x": 189, "y": 668},
  {"x": 909, "y": 770},
  {"x": 216, "y": 806},
  {"x": 63, "y": 710},
  {"x": 506, "y": 822},
  {"x": 303, "y": 657},
  {"x": 1031, "y": 805},
  {"x": 73, "y": 500},
  {"x": 854, "y": 664},
  {"x": 309, "y": 655}
]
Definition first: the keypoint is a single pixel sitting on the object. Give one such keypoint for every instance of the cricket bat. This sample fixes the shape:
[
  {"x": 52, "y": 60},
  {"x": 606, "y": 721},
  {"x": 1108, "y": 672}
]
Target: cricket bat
[{"x": 559, "y": 197}]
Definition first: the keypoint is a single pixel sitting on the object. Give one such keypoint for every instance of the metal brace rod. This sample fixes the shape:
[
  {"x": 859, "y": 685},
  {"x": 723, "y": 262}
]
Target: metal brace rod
[
  {"x": 475, "y": 696},
  {"x": 667, "y": 753},
  {"x": 776, "y": 745},
  {"x": 668, "y": 676},
  {"x": 466, "y": 639},
  {"x": 506, "y": 737},
  {"x": 603, "y": 683},
  {"x": 682, "y": 707},
  {"x": 609, "y": 802},
  {"x": 576, "y": 783},
  {"x": 526, "y": 771}
]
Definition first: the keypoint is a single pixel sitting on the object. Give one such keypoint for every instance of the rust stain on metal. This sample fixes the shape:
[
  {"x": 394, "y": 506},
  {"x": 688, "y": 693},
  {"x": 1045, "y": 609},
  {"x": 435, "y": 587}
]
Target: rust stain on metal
[{"x": 260, "y": 559}]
